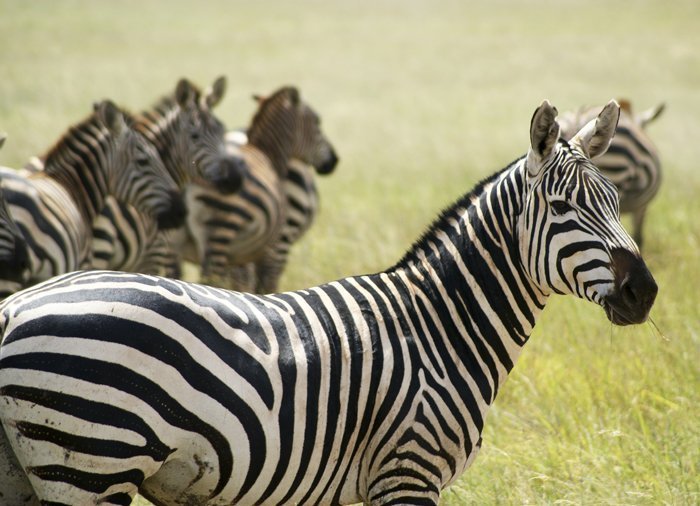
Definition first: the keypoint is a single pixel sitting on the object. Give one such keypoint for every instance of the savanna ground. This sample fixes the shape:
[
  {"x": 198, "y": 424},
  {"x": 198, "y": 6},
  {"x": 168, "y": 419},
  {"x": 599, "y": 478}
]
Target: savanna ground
[{"x": 422, "y": 99}]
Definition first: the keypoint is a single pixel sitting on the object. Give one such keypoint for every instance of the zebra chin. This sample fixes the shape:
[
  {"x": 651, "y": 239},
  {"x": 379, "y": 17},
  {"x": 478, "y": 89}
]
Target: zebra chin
[
  {"x": 174, "y": 215},
  {"x": 635, "y": 289}
]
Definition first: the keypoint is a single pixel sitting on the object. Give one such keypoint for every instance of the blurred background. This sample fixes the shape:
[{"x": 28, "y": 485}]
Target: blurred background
[{"x": 422, "y": 99}]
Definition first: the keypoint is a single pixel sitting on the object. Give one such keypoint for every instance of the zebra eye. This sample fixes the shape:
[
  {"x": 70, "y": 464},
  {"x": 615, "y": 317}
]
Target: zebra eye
[
  {"x": 560, "y": 207},
  {"x": 142, "y": 161}
]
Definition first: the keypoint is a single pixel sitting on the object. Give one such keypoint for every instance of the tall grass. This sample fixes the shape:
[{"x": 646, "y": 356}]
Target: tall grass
[{"x": 422, "y": 99}]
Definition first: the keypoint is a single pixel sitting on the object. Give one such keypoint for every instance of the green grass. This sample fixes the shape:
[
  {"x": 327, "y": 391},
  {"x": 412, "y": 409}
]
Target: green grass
[{"x": 422, "y": 99}]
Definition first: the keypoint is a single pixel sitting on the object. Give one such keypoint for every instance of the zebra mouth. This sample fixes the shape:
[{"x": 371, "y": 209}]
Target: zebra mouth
[
  {"x": 174, "y": 216},
  {"x": 618, "y": 317}
]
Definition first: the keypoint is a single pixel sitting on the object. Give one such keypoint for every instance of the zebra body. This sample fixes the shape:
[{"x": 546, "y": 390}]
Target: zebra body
[
  {"x": 14, "y": 256},
  {"x": 632, "y": 161},
  {"x": 234, "y": 235},
  {"x": 55, "y": 207},
  {"x": 368, "y": 389},
  {"x": 190, "y": 139}
]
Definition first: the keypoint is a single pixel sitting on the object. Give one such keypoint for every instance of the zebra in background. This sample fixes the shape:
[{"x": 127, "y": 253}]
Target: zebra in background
[
  {"x": 55, "y": 207},
  {"x": 632, "y": 161},
  {"x": 190, "y": 140},
  {"x": 368, "y": 389},
  {"x": 235, "y": 237},
  {"x": 14, "y": 259},
  {"x": 302, "y": 206}
]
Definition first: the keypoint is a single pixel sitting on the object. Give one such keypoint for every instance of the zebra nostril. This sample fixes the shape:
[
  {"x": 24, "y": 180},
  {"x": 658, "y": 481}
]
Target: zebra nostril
[{"x": 627, "y": 291}]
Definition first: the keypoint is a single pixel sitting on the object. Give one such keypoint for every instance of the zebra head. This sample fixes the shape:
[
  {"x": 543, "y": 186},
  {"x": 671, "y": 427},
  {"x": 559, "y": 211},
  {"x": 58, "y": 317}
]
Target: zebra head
[
  {"x": 201, "y": 137},
  {"x": 308, "y": 144},
  {"x": 14, "y": 255},
  {"x": 570, "y": 237},
  {"x": 137, "y": 175}
]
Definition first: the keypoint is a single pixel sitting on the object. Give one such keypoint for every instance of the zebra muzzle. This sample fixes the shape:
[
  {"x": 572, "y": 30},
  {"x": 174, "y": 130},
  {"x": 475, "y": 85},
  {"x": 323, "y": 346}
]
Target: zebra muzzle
[
  {"x": 174, "y": 215},
  {"x": 635, "y": 289}
]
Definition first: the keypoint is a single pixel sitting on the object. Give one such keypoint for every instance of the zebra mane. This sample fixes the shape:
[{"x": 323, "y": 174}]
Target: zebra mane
[
  {"x": 443, "y": 222},
  {"x": 286, "y": 92},
  {"x": 85, "y": 128}
]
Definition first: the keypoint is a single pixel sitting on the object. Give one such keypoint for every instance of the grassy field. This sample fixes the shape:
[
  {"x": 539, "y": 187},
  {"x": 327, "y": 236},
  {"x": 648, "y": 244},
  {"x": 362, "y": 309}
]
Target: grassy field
[{"x": 422, "y": 99}]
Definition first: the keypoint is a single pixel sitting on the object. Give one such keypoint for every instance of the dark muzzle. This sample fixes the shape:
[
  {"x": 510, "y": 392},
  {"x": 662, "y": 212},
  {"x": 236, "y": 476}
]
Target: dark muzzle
[
  {"x": 14, "y": 263},
  {"x": 328, "y": 165},
  {"x": 227, "y": 174},
  {"x": 635, "y": 289},
  {"x": 174, "y": 215}
]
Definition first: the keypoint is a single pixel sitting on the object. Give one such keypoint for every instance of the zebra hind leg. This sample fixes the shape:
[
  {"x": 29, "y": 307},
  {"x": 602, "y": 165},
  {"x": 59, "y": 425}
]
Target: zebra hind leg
[{"x": 15, "y": 489}]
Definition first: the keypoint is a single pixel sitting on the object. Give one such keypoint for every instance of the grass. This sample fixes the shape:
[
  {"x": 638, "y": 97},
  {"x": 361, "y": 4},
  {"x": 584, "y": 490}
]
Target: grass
[{"x": 422, "y": 99}]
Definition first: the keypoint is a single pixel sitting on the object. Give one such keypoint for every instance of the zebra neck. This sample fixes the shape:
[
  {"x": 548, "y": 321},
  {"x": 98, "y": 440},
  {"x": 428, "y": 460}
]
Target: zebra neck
[
  {"x": 78, "y": 164},
  {"x": 161, "y": 126},
  {"x": 274, "y": 140},
  {"x": 468, "y": 284}
]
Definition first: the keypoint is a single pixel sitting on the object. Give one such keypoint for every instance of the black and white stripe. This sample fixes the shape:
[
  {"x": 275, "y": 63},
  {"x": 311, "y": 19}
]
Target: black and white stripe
[
  {"x": 368, "y": 389},
  {"x": 632, "y": 161},
  {"x": 14, "y": 258},
  {"x": 56, "y": 201},
  {"x": 190, "y": 139},
  {"x": 236, "y": 237}
]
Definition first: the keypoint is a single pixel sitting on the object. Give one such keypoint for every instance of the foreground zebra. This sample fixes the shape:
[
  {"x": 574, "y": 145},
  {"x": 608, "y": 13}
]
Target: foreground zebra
[
  {"x": 371, "y": 388},
  {"x": 190, "y": 140},
  {"x": 631, "y": 162},
  {"x": 235, "y": 236},
  {"x": 55, "y": 208},
  {"x": 14, "y": 258}
]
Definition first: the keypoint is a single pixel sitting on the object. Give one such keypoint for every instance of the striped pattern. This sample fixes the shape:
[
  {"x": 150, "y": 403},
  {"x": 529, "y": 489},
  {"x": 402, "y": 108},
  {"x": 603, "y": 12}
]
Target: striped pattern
[
  {"x": 632, "y": 161},
  {"x": 234, "y": 235},
  {"x": 368, "y": 389},
  {"x": 190, "y": 140},
  {"x": 14, "y": 258},
  {"x": 56, "y": 201}
]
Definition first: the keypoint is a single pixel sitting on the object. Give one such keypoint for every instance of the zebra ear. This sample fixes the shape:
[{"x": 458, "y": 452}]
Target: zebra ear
[
  {"x": 650, "y": 115},
  {"x": 2, "y": 139},
  {"x": 214, "y": 94},
  {"x": 294, "y": 95},
  {"x": 544, "y": 132},
  {"x": 185, "y": 93},
  {"x": 111, "y": 116},
  {"x": 594, "y": 138}
]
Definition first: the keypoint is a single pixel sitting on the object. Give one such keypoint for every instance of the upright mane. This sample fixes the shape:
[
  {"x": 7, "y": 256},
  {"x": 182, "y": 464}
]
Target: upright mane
[
  {"x": 87, "y": 128},
  {"x": 442, "y": 222}
]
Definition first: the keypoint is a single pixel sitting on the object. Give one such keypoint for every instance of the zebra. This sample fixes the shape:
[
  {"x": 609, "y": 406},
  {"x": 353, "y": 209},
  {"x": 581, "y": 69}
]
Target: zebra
[
  {"x": 14, "y": 258},
  {"x": 55, "y": 207},
  {"x": 632, "y": 161},
  {"x": 371, "y": 389},
  {"x": 190, "y": 139},
  {"x": 236, "y": 238}
]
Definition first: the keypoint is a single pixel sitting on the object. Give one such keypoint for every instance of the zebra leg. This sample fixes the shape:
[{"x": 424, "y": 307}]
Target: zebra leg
[
  {"x": 268, "y": 272},
  {"x": 15, "y": 488},
  {"x": 638, "y": 222}
]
